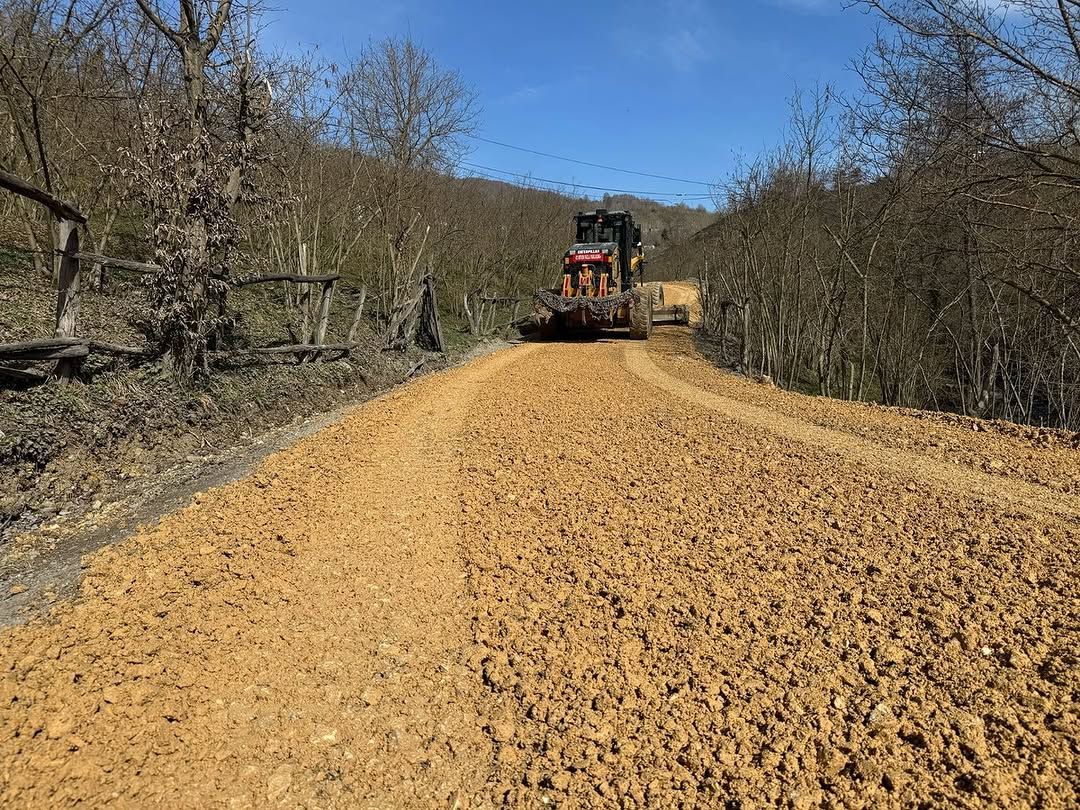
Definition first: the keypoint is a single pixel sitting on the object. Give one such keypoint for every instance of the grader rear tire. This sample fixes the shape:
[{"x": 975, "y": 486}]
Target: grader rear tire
[
  {"x": 657, "y": 290},
  {"x": 641, "y": 308}
]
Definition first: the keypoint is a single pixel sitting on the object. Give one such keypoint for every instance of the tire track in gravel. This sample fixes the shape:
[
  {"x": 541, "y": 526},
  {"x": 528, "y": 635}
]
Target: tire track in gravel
[{"x": 917, "y": 467}]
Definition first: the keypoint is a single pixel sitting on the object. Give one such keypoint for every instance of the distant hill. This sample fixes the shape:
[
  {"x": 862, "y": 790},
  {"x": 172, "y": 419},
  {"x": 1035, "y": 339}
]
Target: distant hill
[
  {"x": 683, "y": 259},
  {"x": 662, "y": 226}
]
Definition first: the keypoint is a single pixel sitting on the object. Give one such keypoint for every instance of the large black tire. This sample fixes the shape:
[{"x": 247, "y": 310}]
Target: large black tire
[
  {"x": 657, "y": 290},
  {"x": 641, "y": 314}
]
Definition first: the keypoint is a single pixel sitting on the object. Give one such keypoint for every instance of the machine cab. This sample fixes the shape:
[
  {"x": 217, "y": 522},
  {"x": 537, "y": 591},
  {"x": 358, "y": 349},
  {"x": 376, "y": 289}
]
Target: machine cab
[{"x": 609, "y": 239}]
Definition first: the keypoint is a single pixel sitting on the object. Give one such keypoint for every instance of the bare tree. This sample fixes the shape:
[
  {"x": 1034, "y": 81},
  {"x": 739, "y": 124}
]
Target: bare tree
[
  {"x": 406, "y": 110},
  {"x": 408, "y": 114},
  {"x": 192, "y": 170},
  {"x": 941, "y": 235},
  {"x": 50, "y": 83}
]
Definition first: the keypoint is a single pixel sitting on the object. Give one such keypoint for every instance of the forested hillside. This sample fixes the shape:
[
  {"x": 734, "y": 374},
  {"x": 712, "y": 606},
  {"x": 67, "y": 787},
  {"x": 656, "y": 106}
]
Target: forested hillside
[
  {"x": 663, "y": 226},
  {"x": 915, "y": 244}
]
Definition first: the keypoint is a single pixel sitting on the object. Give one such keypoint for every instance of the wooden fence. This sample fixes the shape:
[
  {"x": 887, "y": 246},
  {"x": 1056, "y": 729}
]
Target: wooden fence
[{"x": 68, "y": 349}]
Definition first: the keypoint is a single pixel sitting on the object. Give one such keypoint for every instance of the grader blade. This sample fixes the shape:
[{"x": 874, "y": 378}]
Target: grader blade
[{"x": 676, "y": 315}]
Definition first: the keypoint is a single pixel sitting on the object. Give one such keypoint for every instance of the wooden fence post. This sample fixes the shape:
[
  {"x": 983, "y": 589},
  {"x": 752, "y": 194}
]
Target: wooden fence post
[
  {"x": 323, "y": 322},
  {"x": 354, "y": 330},
  {"x": 68, "y": 293},
  {"x": 429, "y": 334},
  {"x": 303, "y": 296}
]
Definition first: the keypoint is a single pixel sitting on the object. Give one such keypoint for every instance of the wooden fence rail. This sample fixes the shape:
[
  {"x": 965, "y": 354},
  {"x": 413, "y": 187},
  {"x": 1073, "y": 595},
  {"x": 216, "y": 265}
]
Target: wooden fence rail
[
  {"x": 68, "y": 349},
  {"x": 295, "y": 348},
  {"x": 244, "y": 282},
  {"x": 119, "y": 264},
  {"x": 68, "y": 289},
  {"x": 57, "y": 207}
]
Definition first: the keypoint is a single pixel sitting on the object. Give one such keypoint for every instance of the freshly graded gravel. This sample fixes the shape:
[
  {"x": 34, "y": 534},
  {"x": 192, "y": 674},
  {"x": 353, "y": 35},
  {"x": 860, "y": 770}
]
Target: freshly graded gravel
[{"x": 587, "y": 573}]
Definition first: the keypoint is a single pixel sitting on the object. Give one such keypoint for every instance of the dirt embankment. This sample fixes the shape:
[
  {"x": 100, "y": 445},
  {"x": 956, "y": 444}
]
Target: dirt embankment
[{"x": 583, "y": 574}]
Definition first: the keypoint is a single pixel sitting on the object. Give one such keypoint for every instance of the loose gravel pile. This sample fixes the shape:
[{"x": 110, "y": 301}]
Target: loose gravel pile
[{"x": 578, "y": 574}]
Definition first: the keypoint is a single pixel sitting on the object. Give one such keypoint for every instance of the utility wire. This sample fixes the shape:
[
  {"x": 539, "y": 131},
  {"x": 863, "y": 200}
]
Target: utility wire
[
  {"x": 562, "y": 187},
  {"x": 587, "y": 163},
  {"x": 583, "y": 191},
  {"x": 565, "y": 184}
]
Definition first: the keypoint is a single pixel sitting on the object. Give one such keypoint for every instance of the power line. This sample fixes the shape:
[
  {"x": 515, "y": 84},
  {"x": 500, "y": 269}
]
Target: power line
[
  {"x": 587, "y": 163},
  {"x": 565, "y": 184},
  {"x": 583, "y": 191},
  {"x": 562, "y": 185}
]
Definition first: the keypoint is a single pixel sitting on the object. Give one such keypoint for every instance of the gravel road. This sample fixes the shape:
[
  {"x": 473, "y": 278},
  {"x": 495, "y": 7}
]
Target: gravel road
[{"x": 584, "y": 573}]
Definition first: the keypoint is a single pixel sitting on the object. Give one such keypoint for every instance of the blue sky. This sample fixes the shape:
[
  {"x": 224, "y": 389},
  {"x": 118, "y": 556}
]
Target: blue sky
[{"x": 671, "y": 87}]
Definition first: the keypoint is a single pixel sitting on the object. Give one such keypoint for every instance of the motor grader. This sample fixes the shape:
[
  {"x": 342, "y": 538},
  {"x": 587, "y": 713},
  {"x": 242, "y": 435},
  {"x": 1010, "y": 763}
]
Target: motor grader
[{"x": 602, "y": 284}]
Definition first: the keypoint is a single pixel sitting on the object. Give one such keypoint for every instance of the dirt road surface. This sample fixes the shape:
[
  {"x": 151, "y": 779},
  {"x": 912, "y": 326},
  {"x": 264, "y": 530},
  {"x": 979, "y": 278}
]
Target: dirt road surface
[{"x": 579, "y": 574}]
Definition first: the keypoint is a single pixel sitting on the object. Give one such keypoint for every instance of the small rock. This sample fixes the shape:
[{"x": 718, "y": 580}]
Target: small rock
[
  {"x": 972, "y": 735},
  {"x": 1018, "y": 659},
  {"x": 371, "y": 696},
  {"x": 839, "y": 702},
  {"x": 502, "y": 731},
  {"x": 561, "y": 780},
  {"x": 17, "y": 589},
  {"x": 888, "y": 653},
  {"x": 112, "y": 694},
  {"x": 278, "y": 783},
  {"x": 969, "y": 639},
  {"x": 833, "y": 762},
  {"x": 804, "y": 799},
  {"x": 881, "y": 714},
  {"x": 59, "y": 725}
]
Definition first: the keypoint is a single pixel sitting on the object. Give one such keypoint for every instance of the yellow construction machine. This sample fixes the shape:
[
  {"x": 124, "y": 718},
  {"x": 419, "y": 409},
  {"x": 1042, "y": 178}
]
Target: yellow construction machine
[{"x": 602, "y": 285}]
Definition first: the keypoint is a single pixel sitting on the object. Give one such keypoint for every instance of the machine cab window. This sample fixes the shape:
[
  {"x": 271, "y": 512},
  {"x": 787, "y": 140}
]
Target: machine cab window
[{"x": 600, "y": 228}]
